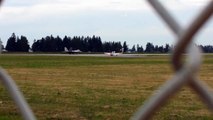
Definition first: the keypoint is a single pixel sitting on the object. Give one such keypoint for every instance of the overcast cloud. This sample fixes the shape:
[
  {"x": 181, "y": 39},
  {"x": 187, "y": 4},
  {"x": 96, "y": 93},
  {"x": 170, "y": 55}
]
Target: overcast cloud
[{"x": 113, "y": 20}]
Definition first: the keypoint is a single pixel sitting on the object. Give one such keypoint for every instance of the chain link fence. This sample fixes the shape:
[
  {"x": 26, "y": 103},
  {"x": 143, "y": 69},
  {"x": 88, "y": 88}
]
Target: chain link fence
[{"x": 186, "y": 73}]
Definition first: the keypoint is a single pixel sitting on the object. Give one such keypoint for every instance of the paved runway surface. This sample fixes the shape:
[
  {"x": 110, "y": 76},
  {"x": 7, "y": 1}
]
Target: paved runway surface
[{"x": 89, "y": 55}]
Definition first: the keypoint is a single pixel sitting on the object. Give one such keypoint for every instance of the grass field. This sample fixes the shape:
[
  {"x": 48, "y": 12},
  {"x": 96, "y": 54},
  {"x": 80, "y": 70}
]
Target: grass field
[{"x": 98, "y": 88}]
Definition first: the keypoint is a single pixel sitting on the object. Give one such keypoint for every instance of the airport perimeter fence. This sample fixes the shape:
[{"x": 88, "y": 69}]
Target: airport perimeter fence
[{"x": 186, "y": 73}]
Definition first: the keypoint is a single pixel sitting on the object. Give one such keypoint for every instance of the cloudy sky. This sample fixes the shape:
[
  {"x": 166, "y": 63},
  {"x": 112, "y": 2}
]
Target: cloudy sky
[{"x": 133, "y": 21}]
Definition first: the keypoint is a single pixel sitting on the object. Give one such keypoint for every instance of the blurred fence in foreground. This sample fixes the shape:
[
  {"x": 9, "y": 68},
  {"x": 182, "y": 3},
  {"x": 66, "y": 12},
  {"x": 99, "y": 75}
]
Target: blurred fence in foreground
[{"x": 186, "y": 73}]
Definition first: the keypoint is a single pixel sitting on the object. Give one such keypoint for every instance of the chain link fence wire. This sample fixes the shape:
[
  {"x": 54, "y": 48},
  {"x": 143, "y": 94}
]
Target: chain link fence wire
[
  {"x": 15, "y": 93},
  {"x": 17, "y": 96},
  {"x": 186, "y": 73}
]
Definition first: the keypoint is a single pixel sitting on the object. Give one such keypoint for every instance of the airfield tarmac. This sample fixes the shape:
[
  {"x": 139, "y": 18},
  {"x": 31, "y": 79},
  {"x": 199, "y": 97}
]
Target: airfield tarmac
[{"x": 88, "y": 55}]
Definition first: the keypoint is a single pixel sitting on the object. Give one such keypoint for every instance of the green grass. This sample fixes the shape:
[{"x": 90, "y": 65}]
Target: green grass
[
  {"x": 97, "y": 88},
  {"x": 67, "y": 61}
]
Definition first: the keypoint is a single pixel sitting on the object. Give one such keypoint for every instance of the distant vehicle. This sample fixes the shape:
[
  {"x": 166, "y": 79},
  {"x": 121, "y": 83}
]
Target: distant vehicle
[
  {"x": 70, "y": 51},
  {"x": 113, "y": 53}
]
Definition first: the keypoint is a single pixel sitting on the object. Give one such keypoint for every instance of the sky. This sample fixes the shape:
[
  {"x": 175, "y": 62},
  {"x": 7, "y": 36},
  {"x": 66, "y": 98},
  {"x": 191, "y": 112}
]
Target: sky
[{"x": 133, "y": 21}]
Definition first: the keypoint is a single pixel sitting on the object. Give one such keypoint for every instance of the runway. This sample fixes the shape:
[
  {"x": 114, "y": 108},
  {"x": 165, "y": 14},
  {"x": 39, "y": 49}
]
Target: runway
[{"x": 86, "y": 55}]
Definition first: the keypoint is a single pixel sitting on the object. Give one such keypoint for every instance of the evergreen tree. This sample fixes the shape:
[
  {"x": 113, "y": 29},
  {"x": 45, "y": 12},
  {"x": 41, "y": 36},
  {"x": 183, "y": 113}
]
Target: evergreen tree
[
  {"x": 1, "y": 46},
  {"x": 99, "y": 44},
  {"x": 167, "y": 48},
  {"x": 149, "y": 48},
  {"x": 76, "y": 43},
  {"x": 36, "y": 46},
  {"x": 59, "y": 44},
  {"x": 125, "y": 47},
  {"x": 106, "y": 47},
  {"x": 85, "y": 44},
  {"x": 118, "y": 47},
  {"x": 161, "y": 49},
  {"x": 133, "y": 49},
  {"x": 11, "y": 43},
  {"x": 207, "y": 48},
  {"x": 156, "y": 49},
  {"x": 139, "y": 49},
  {"x": 22, "y": 44},
  {"x": 67, "y": 42}
]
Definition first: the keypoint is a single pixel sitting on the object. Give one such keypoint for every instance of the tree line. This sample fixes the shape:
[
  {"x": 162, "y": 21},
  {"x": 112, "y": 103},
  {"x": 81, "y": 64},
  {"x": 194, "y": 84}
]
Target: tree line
[{"x": 85, "y": 44}]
